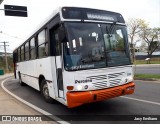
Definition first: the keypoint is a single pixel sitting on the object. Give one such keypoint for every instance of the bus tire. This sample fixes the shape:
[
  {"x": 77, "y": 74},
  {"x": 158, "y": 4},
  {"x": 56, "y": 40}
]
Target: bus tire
[
  {"x": 20, "y": 80},
  {"x": 45, "y": 92}
]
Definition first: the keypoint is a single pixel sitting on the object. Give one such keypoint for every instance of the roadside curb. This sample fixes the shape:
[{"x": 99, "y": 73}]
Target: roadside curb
[
  {"x": 5, "y": 76},
  {"x": 49, "y": 115}
]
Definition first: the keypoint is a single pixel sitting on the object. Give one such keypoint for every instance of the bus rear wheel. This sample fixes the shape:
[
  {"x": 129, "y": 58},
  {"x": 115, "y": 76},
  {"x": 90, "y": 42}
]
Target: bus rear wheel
[
  {"x": 20, "y": 80},
  {"x": 45, "y": 91}
]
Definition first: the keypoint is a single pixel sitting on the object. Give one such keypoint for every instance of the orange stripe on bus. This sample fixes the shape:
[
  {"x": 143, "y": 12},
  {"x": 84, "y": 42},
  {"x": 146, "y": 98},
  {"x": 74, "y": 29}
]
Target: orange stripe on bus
[{"x": 75, "y": 99}]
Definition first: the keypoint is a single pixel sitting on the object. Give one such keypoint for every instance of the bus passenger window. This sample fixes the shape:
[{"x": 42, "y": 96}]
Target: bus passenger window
[
  {"x": 27, "y": 51},
  {"x": 32, "y": 49},
  {"x": 19, "y": 55},
  {"x": 22, "y": 53},
  {"x": 42, "y": 44}
]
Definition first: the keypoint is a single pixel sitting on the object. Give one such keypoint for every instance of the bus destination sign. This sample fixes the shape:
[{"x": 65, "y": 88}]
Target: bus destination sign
[
  {"x": 91, "y": 14},
  {"x": 105, "y": 17}
]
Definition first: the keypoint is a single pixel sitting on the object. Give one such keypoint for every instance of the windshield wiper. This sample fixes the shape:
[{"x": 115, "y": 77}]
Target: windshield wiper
[
  {"x": 110, "y": 30},
  {"x": 112, "y": 27}
]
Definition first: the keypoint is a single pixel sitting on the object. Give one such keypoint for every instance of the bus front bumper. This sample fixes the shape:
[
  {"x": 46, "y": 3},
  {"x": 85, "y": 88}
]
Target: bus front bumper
[{"x": 75, "y": 99}]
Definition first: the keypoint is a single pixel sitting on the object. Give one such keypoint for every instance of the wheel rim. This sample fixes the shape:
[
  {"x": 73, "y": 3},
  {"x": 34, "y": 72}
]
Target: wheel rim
[{"x": 45, "y": 91}]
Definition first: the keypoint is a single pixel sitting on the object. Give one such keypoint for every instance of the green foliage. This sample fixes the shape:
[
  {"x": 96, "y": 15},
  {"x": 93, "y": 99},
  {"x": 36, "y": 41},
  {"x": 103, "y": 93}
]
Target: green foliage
[
  {"x": 147, "y": 76},
  {"x": 120, "y": 44},
  {"x": 135, "y": 25},
  {"x": 150, "y": 36},
  {"x": 152, "y": 61},
  {"x": 145, "y": 62},
  {"x": 3, "y": 64}
]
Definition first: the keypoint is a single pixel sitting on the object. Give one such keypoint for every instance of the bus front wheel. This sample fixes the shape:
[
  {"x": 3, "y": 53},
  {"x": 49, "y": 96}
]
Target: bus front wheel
[{"x": 45, "y": 91}]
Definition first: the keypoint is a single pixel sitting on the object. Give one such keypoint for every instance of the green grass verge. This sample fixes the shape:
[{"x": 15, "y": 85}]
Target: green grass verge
[
  {"x": 144, "y": 62},
  {"x": 147, "y": 76},
  {"x": 155, "y": 60}
]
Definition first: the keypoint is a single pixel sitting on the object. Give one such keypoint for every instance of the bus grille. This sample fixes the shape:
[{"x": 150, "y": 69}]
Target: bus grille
[
  {"x": 106, "y": 81},
  {"x": 115, "y": 82},
  {"x": 114, "y": 75}
]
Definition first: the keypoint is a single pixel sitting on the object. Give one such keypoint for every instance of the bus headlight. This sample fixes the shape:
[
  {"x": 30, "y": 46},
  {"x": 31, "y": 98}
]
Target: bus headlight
[
  {"x": 130, "y": 78},
  {"x": 79, "y": 87}
]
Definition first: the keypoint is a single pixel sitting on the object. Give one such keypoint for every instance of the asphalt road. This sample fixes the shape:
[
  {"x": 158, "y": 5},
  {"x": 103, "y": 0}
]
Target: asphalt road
[
  {"x": 145, "y": 101},
  {"x": 147, "y": 69}
]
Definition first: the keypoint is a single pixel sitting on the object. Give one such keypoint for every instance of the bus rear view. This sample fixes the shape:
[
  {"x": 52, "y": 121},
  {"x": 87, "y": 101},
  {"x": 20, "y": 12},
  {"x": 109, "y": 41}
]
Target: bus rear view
[{"x": 88, "y": 57}]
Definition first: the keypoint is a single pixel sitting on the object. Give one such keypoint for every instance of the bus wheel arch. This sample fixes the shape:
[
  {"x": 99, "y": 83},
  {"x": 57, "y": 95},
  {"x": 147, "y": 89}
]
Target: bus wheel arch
[
  {"x": 20, "y": 79},
  {"x": 41, "y": 77},
  {"x": 44, "y": 89}
]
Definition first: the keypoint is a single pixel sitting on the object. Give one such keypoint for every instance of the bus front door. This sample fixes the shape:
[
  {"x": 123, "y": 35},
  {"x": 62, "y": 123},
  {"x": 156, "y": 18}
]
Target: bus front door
[
  {"x": 59, "y": 77},
  {"x": 58, "y": 62}
]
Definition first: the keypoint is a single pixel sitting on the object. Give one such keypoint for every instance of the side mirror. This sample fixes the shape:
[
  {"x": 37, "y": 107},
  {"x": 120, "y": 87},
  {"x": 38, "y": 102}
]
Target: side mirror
[{"x": 61, "y": 34}]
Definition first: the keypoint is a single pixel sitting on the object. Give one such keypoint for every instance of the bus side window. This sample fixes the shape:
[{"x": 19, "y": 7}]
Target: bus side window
[
  {"x": 55, "y": 41},
  {"x": 27, "y": 51},
  {"x": 22, "y": 53},
  {"x": 15, "y": 56},
  {"x": 32, "y": 48},
  {"x": 42, "y": 44},
  {"x": 19, "y": 55}
]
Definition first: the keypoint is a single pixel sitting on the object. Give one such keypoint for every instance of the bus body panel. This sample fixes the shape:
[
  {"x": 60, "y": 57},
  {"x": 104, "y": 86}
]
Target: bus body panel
[
  {"x": 97, "y": 80},
  {"x": 31, "y": 70},
  {"x": 108, "y": 77}
]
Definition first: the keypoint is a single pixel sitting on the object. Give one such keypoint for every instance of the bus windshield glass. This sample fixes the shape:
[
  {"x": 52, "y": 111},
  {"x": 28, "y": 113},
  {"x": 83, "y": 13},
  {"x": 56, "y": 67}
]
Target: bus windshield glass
[{"x": 93, "y": 45}]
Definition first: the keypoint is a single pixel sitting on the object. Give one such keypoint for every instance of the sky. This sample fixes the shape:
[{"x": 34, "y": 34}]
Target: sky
[{"x": 16, "y": 29}]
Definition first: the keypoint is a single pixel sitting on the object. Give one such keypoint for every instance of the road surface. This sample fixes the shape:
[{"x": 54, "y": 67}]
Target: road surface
[
  {"x": 144, "y": 102},
  {"x": 147, "y": 69}
]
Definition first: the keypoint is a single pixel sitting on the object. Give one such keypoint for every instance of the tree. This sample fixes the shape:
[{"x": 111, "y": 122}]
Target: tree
[
  {"x": 143, "y": 46},
  {"x": 134, "y": 28},
  {"x": 151, "y": 37}
]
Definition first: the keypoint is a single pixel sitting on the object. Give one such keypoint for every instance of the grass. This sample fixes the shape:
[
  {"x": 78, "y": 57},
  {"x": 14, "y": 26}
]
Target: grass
[
  {"x": 147, "y": 76},
  {"x": 3, "y": 65},
  {"x": 152, "y": 61},
  {"x": 144, "y": 62}
]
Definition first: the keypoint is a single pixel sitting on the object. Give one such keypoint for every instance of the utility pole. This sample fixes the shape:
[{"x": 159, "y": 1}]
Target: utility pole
[{"x": 4, "y": 45}]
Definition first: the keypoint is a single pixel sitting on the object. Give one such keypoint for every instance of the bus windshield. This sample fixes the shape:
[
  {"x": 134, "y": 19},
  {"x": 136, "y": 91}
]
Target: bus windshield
[{"x": 93, "y": 45}]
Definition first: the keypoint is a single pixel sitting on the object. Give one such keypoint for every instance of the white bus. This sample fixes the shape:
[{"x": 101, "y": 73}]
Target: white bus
[{"x": 77, "y": 56}]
